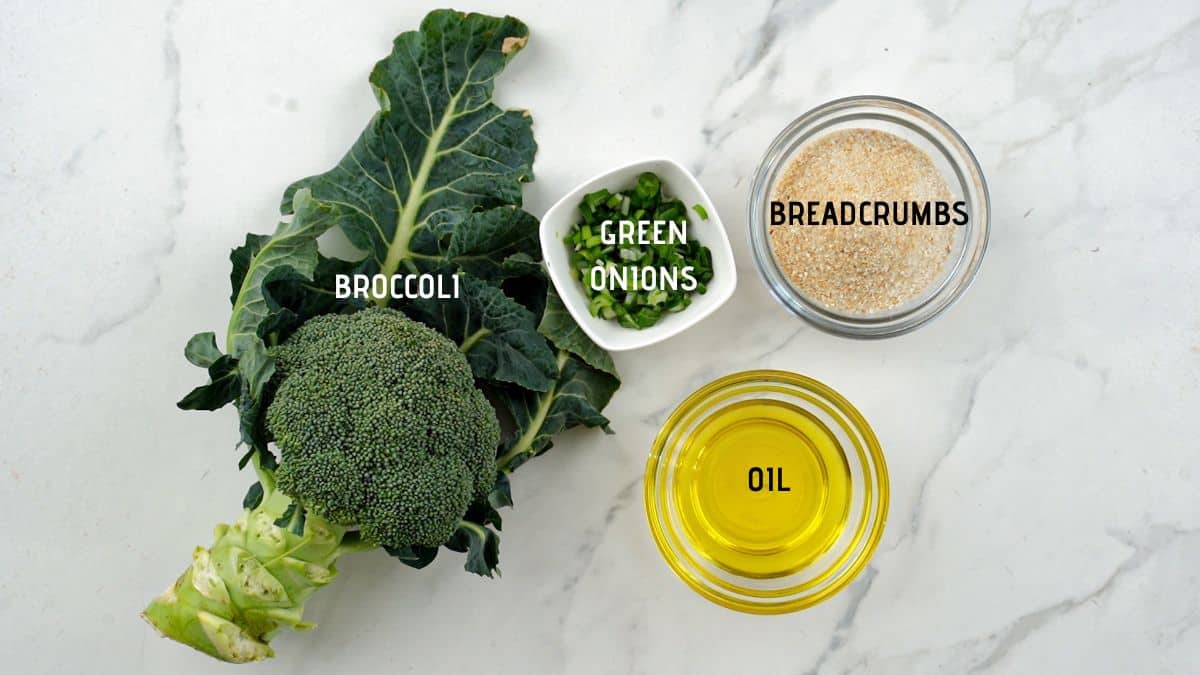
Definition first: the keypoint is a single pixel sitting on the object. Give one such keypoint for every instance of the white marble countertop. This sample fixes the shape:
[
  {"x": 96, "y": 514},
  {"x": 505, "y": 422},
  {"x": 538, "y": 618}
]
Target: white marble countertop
[{"x": 1041, "y": 436}]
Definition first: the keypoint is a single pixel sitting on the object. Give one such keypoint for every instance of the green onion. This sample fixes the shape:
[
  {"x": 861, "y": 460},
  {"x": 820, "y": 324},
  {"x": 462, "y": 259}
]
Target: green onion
[{"x": 633, "y": 306}]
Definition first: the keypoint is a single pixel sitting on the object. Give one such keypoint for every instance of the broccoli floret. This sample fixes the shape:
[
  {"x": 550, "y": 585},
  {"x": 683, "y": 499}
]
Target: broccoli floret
[{"x": 380, "y": 427}]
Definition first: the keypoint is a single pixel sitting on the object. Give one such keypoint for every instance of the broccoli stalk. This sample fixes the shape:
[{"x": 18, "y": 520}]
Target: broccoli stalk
[{"x": 252, "y": 581}]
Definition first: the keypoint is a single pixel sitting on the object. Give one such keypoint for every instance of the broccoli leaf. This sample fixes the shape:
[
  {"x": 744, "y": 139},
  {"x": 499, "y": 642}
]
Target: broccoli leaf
[
  {"x": 522, "y": 265},
  {"x": 286, "y": 518},
  {"x": 254, "y": 496},
  {"x": 416, "y": 557},
  {"x": 293, "y": 519},
  {"x": 500, "y": 495},
  {"x": 202, "y": 350},
  {"x": 487, "y": 244},
  {"x": 487, "y": 511},
  {"x": 437, "y": 151},
  {"x": 292, "y": 300},
  {"x": 240, "y": 259},
  {"x": 290, "y": 252},
  {"x": 223, "y": 386},
  {"x": 480, "y": 543},
  {"x": 255, "y": 367},
  {"x": 251, "y": 424},
  {"x": 558, "y": 326},
  {"x": 497, "y": 334},
  {"x": 526, "y": 282},
  {"x": 577, "y": 397}
]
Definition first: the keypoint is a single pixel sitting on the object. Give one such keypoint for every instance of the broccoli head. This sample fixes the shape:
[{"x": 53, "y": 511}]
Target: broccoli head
[{"x": 379, "y": 426}]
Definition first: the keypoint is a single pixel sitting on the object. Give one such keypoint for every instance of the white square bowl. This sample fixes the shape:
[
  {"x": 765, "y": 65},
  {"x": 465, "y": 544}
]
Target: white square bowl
[{"x": 678, "y": 183}]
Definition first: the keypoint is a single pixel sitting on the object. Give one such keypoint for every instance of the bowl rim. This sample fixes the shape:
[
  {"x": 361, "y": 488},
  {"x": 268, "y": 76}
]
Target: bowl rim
[
  {"x": 572, "y": 296},
  {"x": 871, "y": 530},
  {"x": 905, "y": 319}
]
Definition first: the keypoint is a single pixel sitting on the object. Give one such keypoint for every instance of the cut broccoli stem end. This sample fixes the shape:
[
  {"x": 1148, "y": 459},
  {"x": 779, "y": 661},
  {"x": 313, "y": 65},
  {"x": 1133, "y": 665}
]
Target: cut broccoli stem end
[{"x": 253, "y": 581}]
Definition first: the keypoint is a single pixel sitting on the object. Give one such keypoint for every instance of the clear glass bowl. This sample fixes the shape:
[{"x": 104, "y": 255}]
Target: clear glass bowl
[
  {"x": 784, "y": 556},
  {"x": 950, "y": 155}
]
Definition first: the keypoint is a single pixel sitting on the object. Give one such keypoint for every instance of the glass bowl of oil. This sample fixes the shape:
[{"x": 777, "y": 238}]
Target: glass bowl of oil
[{"x": 766, "y": 491}]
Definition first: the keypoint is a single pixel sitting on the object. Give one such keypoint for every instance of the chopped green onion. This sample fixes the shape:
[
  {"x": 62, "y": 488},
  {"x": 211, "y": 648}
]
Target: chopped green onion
[{"x": 629, "y": 304}]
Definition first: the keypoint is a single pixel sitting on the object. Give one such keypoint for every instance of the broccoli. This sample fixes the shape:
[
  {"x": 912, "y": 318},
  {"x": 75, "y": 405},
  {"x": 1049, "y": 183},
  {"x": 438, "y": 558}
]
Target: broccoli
[
  {"x": 380, "y": 426},
  {"x": 376, "y": 427},
  {"x": 384, "y": 440}
]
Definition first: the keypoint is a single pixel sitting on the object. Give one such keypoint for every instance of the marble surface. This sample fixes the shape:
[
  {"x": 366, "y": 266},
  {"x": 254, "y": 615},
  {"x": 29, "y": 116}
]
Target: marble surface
[{"x": 1041, "y": 436}]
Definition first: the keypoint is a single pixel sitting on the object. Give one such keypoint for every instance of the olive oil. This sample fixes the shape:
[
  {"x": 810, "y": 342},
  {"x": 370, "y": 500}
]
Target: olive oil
[
  {"x": 763, "y": 488},
  {"x": 766, "y": 491}
]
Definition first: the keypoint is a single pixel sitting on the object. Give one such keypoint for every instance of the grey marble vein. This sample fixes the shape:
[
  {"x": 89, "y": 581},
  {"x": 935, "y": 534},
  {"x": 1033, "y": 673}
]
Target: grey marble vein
[{"x": 1144, "y": 546}]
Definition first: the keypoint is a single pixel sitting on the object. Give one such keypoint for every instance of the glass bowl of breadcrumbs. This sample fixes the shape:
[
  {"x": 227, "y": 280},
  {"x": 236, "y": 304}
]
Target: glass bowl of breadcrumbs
[{"x": 868, "y": 216}]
